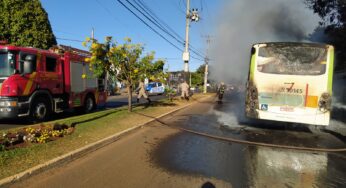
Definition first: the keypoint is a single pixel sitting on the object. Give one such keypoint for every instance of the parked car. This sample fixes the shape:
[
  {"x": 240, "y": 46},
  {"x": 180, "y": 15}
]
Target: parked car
[{"x": 155, "y": 88}]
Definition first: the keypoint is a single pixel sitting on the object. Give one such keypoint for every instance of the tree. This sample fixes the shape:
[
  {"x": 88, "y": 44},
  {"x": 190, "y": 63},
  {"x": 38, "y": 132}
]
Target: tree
[
  {"x": 124, "y": 62},
  {"x": 197, "y": 78},
  {"x": 25, "y": 23},
  {"x": 333, "y": 13}
]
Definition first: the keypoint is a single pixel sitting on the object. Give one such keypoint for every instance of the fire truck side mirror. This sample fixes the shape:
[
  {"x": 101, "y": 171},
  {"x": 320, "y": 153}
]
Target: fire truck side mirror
[{"x": 28, "y": 65}]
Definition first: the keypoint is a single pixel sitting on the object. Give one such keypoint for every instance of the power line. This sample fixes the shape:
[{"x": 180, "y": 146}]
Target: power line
[
  {"x": 191, "y": 47},
  {"x": 149, "y": 26},
  {"x": 156, "y": 21},
  {"x": 195, "y": 58},
  {"x": 154, "y": 30},
  {"x": 74, "y": 40},
  {"x": 159, "y": 20}
]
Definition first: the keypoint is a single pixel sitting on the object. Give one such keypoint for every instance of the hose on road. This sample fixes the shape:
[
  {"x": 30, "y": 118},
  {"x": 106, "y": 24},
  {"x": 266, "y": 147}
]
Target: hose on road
[
  {"x": 239, "y": 141},
  {"x": 260, "y": 143}
]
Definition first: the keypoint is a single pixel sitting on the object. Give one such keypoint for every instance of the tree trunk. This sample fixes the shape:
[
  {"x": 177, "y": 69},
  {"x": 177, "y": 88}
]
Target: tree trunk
[
  {"x": 170, "y": 97},
  {"x": 129, "y": 99}
]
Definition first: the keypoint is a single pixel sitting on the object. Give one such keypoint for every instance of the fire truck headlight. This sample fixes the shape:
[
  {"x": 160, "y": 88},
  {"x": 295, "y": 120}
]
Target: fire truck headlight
[{"x": 8, "y": 103}]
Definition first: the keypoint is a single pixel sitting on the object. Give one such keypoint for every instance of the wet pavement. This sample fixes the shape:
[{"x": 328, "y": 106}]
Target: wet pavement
[
  {"x": 160, "y": 155},
  {"x": 252, "y": 166}
]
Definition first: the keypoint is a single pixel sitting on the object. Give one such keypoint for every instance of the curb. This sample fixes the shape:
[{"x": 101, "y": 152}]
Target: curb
[{"x": 66, "y": 158}]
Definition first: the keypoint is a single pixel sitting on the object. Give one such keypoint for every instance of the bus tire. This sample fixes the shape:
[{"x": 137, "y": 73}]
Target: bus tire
[
  {"x": 40, "y": 109},
  {"x": 89, "y": 104}
]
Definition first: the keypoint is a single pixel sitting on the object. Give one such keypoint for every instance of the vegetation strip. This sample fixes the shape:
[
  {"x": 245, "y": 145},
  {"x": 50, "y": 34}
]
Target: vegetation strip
[{"x": 75, "y": 153}]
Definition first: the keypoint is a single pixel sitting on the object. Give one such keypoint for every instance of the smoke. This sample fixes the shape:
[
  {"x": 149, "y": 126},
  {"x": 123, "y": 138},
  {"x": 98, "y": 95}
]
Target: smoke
[
  {"x": 339, "y": 105},
  {"x": 245, "y": 22}
]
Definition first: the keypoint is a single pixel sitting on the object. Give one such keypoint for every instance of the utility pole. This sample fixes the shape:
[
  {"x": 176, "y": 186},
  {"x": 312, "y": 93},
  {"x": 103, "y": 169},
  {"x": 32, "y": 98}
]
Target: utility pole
[
  {"x": 206, "y": 66},
  {"x": 92, "y": 33},
  {"x": 193, "y": 16},
  {"x": 186, "y": 54}
]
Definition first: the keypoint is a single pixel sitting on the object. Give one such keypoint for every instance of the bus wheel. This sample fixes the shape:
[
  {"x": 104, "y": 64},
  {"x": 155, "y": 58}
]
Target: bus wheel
[
  {"x": 40, "y": 109},
  {"x": 89, "y": 104}
]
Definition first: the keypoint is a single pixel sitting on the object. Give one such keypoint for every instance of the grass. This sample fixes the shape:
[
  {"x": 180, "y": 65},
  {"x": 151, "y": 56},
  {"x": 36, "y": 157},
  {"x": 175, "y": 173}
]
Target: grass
[{"x": 89, "y": 128}]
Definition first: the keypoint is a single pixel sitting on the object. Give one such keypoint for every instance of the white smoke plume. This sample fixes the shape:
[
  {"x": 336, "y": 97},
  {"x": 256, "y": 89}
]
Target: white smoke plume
[{"x": 245, "y": 22}]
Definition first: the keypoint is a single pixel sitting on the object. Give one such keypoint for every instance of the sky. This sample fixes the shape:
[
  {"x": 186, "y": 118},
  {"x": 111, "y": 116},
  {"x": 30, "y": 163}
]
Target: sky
[{"x": 72, "y": 22}]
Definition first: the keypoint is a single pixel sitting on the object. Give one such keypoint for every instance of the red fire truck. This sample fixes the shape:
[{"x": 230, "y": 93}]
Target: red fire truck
[{"x": 36, "y": 83}]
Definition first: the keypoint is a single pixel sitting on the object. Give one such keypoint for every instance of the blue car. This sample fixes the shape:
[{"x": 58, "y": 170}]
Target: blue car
[{"x": 155, "y": 88}]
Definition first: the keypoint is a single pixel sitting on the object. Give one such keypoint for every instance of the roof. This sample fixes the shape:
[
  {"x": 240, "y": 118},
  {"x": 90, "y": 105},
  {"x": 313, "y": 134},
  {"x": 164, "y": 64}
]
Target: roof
[{"x": 62, "y": 49}]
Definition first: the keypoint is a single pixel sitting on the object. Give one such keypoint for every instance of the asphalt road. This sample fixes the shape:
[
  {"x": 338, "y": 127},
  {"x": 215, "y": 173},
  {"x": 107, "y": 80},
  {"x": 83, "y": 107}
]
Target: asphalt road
[
  {"x": 112, "y": 102},
  {"x": 159, "y": 155}
]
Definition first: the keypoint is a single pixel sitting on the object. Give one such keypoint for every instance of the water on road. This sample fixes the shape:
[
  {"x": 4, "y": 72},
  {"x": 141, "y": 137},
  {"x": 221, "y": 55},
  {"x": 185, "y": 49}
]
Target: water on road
[{"x": 251, "y": 166}]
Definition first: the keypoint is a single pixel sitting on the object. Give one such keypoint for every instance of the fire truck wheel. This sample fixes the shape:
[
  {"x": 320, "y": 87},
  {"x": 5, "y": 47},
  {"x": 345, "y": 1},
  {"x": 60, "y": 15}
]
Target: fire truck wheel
[
  {"x": 40, "y": 109},
  {"x": 89, "y": 104}
]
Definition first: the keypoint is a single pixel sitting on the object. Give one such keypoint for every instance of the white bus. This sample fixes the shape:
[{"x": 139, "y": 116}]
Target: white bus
[{"x": 290, "y": 82}]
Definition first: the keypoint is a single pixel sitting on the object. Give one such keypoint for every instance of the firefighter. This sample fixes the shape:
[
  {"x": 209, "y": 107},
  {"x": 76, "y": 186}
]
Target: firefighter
[
  {"x": 185, "y": 90},
  {"x": 141, "y": 92},
  {"x": 221, "y": 90}
]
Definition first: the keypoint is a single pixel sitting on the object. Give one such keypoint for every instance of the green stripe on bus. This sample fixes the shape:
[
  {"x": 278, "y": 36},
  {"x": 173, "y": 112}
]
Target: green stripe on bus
[{"x": 330, "y": 69}]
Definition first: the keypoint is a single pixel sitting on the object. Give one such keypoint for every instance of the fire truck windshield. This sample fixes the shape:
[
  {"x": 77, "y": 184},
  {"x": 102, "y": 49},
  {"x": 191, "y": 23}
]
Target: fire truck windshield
[{"x": 7, "y": 61}]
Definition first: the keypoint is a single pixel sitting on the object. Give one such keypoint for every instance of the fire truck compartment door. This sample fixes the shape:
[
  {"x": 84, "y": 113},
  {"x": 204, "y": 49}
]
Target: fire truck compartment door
[{"x": 78, "y": 83}]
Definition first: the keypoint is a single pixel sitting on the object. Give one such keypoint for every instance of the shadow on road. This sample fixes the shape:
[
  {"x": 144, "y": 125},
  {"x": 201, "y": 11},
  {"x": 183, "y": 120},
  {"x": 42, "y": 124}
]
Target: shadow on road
[{"x": 94, "y": 118}]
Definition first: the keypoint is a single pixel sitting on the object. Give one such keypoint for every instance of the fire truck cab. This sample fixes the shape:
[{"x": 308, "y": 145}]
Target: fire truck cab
[{"x": 36, "y": 83}]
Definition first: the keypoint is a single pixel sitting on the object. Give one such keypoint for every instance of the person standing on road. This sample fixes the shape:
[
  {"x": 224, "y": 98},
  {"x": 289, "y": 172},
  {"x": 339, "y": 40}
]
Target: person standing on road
[
  {"x": 141, "y": 92},
  {"x": 221, "y": 90},
  {"x": 185, "y": 90}
]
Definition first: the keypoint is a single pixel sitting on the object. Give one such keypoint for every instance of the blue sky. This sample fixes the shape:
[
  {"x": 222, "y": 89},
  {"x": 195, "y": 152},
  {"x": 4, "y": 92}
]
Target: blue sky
[{"x": 75, "y": 20}]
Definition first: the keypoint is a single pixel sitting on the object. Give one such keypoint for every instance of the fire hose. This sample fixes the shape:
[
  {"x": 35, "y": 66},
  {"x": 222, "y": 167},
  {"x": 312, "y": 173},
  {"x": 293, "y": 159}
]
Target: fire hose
[{"x": 239, "y": 141}]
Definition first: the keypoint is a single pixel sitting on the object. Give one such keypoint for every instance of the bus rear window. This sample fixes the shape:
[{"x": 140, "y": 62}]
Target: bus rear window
[{"x": 292, "y": 60}]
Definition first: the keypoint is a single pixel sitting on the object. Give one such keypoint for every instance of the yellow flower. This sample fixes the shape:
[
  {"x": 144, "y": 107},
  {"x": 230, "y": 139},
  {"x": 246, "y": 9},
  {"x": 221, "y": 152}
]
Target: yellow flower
[
  {"x": 83, "y": 76},
  {"x": 87, "y": 59},
  {"x": 94, "y": 45},
  {"x": 84, "y": 44},
  {"x": 87, "y": 39},
  {"x": 113, "y": 49},
  {"x": 135, "y": 71}
]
